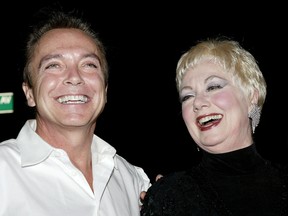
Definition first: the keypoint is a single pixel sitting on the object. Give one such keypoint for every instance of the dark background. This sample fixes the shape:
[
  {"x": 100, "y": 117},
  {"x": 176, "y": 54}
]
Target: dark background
[{"x": 144, "y": 41}]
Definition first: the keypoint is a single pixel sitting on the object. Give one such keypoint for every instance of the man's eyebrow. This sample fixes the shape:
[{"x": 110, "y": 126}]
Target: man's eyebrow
[{"x": 48, "y": 57}]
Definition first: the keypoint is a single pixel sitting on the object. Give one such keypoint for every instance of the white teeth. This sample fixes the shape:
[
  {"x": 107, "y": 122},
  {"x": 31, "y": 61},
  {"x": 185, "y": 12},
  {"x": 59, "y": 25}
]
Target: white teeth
[
  {"x": 208, "y": 118},
  {"x": 72, "y": 99}
]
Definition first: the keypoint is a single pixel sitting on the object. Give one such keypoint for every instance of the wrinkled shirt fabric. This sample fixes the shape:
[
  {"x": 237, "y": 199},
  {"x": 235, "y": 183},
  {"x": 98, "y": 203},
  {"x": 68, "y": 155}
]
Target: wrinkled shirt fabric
[{"x": 37, "y": 179}]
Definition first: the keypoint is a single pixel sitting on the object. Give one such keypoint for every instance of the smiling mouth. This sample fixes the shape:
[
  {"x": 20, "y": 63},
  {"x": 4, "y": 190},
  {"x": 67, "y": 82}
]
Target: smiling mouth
[
  {"x": 73, "y": 99},
  {"x": 209, "y": 119},
  {"x": 207, "y": 122}
]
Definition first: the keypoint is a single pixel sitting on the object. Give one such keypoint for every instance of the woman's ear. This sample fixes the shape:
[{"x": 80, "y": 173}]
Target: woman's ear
[
  {"x": 254, "y": 111},
  {"x": 106, "y": 89},
  {"x": 29, "y": 95},
  {"x": 254, "y": 99}
]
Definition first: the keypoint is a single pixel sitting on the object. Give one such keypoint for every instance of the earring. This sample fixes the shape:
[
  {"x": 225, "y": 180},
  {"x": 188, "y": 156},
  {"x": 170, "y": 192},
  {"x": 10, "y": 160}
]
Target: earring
[{"x": 254, "y": 115}]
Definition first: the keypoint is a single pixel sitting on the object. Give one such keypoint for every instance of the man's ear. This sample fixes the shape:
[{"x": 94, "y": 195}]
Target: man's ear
[{"x": 29, "y": 95}]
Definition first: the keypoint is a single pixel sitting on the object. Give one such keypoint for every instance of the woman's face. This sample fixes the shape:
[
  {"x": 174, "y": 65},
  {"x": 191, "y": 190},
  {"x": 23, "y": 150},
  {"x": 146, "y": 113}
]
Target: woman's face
[{"x": 214, "y": 109}]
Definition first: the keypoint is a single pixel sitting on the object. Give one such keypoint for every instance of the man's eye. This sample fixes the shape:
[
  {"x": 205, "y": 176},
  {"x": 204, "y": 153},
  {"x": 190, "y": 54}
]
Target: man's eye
[
  {"x": 52, "y": 66},
  {"x": 92, "y": 65}
]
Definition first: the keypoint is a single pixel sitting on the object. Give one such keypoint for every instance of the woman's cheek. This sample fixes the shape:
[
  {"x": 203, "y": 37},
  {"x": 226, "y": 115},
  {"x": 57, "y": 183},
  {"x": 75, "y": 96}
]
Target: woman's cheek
[
  {"x": 188, "y": 114},
  {"x": 224, "y": 100}
]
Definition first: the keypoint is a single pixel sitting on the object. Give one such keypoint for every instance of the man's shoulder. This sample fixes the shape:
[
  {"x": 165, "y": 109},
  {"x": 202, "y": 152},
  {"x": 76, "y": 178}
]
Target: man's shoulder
[
  {"x": 9, "y": 150},
  {"x": 10, "y": 144}
]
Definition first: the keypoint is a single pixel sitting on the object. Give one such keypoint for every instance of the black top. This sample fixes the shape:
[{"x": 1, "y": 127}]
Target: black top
[{"x": 235, "y": 183}]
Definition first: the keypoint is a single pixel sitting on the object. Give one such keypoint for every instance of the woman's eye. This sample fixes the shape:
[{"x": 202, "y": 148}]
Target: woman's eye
[
  {"x": 213, "y": 87},
  {"x": 186, "y": 97}
]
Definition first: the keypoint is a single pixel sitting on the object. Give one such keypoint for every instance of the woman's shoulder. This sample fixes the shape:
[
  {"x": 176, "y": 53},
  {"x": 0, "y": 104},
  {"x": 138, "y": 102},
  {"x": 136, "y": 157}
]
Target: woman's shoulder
[
  {"x": 280, "y": 168},
  {"x": 174, "y": 182},
  {"x": 174, "y": 194}
]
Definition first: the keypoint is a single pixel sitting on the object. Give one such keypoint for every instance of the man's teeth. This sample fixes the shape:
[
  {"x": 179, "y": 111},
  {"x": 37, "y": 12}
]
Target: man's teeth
[{"x": 72, "y": 99}]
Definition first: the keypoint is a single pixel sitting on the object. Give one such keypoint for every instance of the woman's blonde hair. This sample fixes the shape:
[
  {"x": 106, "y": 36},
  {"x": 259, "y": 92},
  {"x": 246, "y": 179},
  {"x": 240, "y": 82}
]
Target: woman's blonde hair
[{"x": 232, "y": 58}]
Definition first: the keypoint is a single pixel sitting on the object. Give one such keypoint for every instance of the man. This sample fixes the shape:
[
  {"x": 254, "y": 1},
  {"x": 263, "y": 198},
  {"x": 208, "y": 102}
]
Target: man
[{"x": 57, "y": 165}]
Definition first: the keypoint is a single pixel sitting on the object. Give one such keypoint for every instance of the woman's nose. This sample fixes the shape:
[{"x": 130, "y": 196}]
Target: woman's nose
[{"x": 200, "y": 101}]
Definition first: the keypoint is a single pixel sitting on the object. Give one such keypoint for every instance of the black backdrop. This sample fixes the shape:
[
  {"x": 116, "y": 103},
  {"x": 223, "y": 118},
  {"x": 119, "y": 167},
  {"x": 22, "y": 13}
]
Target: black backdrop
[{"x": 142, "y": 118}]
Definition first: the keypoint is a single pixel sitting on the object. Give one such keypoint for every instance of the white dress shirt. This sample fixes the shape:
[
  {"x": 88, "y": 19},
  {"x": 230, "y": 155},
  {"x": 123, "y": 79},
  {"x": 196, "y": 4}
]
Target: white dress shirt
[{"x": 37, "y": 179}]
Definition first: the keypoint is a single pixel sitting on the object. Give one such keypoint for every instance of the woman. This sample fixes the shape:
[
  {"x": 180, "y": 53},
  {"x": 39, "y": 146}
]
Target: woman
[{"x": 222, "y": 91}]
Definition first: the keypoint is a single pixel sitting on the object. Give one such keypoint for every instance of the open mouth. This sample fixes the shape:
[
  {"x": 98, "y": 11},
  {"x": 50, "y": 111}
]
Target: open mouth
[
  {"x": 209, "y": 121},
  {"x": 73, "y": 99}
]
